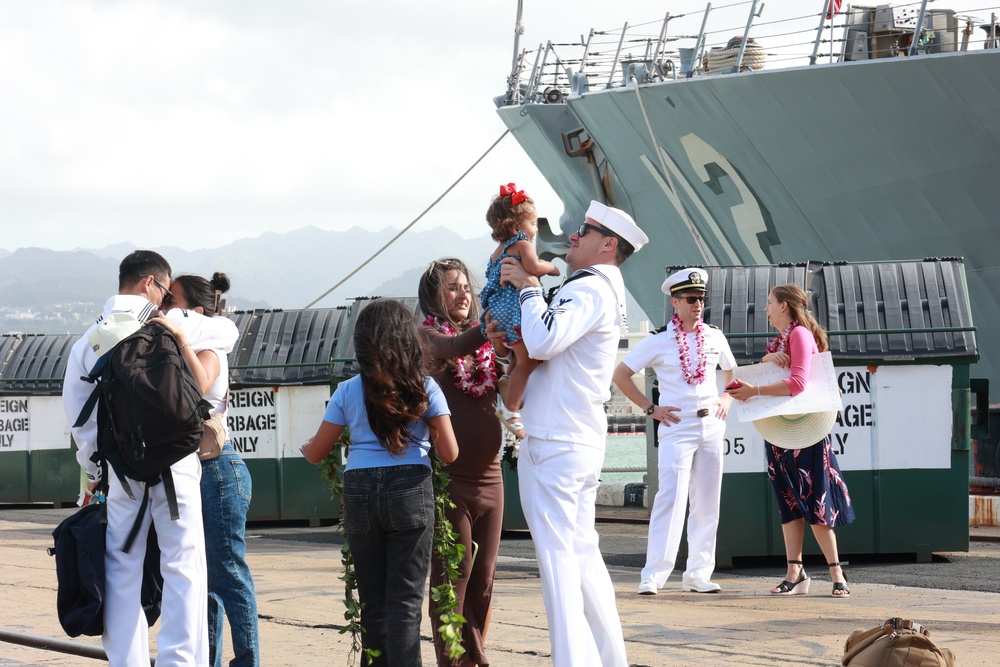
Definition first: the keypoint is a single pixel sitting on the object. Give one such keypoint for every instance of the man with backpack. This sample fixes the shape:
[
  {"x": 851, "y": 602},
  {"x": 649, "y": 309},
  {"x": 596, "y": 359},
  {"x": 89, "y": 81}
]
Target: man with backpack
[{"x": 134, "y": 505}]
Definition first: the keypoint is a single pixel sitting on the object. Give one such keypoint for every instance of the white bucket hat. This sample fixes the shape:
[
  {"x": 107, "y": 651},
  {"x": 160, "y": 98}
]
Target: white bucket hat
[
  {"x": 796, "y": 431},
  {"x": 112, "y": 330}
]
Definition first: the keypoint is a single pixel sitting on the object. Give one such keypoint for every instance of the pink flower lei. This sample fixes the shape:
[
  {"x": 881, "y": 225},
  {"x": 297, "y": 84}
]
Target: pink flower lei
[
  {"x": 780, "y": 342},
  {"x": 474, "y": 379},
  {"x": 698, "y": 376}
]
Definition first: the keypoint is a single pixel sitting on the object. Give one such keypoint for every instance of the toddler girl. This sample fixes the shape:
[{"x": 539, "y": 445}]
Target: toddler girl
[{"x": 514, "y": 221}]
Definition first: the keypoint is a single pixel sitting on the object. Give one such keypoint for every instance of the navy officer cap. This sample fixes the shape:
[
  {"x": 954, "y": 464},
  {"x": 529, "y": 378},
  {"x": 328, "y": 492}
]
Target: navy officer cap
[{"x": 685, "y": 280}]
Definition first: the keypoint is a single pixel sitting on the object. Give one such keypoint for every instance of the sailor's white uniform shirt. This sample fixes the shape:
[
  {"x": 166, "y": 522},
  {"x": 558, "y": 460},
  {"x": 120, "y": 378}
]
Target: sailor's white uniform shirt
[
  {"x": 576, "y": 337},
  {"x": 661, "y": 353}
]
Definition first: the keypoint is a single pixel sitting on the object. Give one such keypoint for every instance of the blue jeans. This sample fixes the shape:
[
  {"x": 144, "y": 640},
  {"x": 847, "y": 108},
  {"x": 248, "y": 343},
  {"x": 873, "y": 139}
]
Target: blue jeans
[
  {"x": 225, "y": 498},
  {"x": 389, "y": 525}
]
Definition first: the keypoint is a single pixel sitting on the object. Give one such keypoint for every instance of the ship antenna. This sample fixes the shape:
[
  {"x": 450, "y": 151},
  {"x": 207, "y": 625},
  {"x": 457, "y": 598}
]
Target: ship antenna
[
  {"x": 405, "y": 229},
  {"x": 515, "y": 66}
]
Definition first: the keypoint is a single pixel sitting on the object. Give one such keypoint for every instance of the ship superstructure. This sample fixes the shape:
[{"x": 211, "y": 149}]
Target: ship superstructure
[{"x": 874, "y": 136}]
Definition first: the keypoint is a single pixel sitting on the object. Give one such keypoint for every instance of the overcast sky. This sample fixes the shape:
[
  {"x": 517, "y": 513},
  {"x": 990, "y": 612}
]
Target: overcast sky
[{"x": 192, "y": 123}]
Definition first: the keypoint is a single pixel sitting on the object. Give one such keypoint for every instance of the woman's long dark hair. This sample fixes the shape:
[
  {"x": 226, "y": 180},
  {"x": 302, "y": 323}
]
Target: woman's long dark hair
[
  {"x": 205, "y": 293},
  {"x": 390, "y": 356},
  {"x": 429, "y": 292},
  {"x": 798, "y": 308}
]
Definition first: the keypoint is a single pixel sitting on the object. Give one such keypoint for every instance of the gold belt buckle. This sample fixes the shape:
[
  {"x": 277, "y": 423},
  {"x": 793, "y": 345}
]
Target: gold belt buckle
[{"x": 703, "y": 412}]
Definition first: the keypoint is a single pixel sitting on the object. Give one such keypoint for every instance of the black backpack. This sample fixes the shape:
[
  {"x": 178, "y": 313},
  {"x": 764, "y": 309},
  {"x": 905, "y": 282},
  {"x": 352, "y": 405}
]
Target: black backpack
[{"x": 150, "y": 413}]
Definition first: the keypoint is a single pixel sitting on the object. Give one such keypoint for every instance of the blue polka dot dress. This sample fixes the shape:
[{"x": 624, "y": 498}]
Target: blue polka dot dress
[{"x": 503, "y": 302}]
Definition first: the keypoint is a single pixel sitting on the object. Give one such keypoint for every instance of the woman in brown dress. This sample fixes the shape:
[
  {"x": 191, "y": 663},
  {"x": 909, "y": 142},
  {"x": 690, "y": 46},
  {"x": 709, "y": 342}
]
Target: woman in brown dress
[{"x": 462, "y": 362}]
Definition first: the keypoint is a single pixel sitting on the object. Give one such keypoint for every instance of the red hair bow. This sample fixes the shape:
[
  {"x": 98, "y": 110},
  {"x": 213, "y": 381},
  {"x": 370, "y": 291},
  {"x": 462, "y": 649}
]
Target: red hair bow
[{"x": 516, "y": 196}]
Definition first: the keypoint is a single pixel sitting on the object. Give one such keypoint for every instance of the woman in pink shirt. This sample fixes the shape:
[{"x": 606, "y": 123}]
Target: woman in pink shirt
[{"x": 807, "y": 482}]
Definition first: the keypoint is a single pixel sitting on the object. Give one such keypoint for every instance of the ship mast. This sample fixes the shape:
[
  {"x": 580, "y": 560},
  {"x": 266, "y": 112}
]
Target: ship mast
[{"x": 515, "y": 64}]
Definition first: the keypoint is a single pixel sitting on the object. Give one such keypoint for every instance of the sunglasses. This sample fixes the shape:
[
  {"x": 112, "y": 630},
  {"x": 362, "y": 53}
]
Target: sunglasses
[
  {"x": 691, "y": 300},
  {"x": 167, "y": 294},
  {"x": 581, "y": 231}
]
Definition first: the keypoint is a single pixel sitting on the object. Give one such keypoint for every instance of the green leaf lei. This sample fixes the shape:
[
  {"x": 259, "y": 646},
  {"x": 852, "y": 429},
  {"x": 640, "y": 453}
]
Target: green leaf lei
[
  {"x": 451, "y": 553},
  {"x": 445, "y": 546}
]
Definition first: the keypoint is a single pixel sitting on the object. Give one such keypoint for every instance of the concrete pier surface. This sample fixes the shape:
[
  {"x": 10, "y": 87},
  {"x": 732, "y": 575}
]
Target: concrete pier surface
[{"x": 296, "y": 571}]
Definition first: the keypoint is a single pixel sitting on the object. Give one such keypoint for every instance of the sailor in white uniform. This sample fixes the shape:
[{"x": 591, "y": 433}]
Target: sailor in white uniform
[
  {"x": 577, "y": 336},
  {"x": 182, "y": 638},
  {"x": 691, "y": 424}
]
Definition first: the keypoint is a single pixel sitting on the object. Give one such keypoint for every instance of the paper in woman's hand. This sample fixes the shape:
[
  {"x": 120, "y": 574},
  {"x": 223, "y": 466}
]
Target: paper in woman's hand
[{"x": 820, "y": 395}]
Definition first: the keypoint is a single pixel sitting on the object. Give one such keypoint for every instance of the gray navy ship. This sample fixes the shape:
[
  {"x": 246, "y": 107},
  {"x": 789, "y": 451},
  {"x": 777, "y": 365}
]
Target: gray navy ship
[{"x": 873, "y": 135}]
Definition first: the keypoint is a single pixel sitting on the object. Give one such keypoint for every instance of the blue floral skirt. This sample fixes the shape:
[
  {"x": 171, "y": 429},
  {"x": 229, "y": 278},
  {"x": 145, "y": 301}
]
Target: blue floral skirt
[{"x": 808, "y": 484}]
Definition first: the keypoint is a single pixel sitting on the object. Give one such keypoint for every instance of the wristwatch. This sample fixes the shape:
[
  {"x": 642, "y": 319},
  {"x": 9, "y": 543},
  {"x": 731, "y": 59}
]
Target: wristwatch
[{"x": 649, "y": 410}]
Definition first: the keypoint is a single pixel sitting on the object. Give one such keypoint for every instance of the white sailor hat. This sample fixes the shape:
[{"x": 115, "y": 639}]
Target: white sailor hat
[
  {"x": 618, "y": 221},
  {"x": 684, "y": 280}
]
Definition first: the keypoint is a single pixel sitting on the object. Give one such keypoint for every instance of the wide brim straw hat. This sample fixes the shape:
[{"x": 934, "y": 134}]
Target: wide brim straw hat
[{"x": 796, "y": 431}]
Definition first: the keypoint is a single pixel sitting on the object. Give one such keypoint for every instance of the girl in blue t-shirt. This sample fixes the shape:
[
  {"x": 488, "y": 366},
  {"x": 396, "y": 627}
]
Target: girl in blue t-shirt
[{"x": 394, "y": 414}]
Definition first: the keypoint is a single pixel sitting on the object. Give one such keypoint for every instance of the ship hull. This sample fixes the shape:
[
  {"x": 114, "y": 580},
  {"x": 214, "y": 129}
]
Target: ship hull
[{"x": 868, "y": 161}]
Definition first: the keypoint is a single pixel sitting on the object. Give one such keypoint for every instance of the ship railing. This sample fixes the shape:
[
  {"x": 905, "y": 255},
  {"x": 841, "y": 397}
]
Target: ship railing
[{"x": 732, "y": 38}]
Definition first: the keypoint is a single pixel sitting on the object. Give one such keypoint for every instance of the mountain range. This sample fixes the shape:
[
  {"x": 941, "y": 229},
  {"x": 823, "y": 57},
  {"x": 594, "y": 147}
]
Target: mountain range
[{"x": 49, "y": 291}]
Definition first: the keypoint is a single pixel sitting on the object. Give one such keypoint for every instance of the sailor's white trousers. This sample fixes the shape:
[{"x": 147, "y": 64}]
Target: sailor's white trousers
[
  {"x": 690, "y": 468},
  {"x": 558, "y": 484},
  {"x": 183, "y": 635}
]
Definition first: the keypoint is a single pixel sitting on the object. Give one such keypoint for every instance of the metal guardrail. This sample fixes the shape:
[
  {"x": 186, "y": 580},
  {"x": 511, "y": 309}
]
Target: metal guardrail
[{"x": 59, "y": 645}]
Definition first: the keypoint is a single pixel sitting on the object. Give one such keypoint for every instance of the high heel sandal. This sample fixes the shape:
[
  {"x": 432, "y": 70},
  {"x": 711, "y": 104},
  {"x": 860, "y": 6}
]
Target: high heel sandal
[
  {"x": 800, "y": 587},
  {"x": 840, "y": 589}
]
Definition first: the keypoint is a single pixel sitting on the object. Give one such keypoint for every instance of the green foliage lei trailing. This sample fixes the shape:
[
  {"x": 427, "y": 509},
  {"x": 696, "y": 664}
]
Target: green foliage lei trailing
[
  {"x": 445, "y": 547},
  {"x": 451, "y": 552}
]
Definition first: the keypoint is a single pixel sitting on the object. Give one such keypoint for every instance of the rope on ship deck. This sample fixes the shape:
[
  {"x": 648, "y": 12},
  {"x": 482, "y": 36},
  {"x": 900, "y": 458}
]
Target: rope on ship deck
[
  {"x": 723, "y": 59},
  {"x": 702, "y": 248},
  {"x": 415, "y": 221}
]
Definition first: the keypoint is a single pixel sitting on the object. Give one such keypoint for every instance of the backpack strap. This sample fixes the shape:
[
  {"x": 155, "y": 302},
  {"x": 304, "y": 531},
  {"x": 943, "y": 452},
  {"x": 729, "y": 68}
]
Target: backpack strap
[
  {"x": 138, "y": 520},
  {"x": 99, "y": 458},
  {"x": 168, "y": 488},
  {"x": 89, "y": 404}
]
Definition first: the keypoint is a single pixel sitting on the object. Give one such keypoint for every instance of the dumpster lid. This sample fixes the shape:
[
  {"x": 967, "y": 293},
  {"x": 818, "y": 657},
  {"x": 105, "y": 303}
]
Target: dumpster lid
[
  {"x": 874, "y": 312},
  {"x": 33, "y": 364},
  {"x": 343, "y": 370},
  {"x": 285, "y": 347}
]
